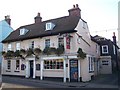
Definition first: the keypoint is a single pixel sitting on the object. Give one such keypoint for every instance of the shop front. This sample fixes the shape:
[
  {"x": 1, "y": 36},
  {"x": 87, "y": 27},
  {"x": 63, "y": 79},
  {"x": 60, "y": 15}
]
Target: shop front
[
  {"x": 67, "y": 68},
  {"x": 64, "y": 67}
]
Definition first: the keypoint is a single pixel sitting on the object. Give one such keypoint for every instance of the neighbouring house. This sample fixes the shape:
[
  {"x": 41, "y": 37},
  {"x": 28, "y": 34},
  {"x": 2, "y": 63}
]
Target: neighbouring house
[
  {"x": 96, "y": 51},
  {"x": 5, "y": 30},
  {"x": 107, "y": 58},
  {"x": 56, "y": 48}
]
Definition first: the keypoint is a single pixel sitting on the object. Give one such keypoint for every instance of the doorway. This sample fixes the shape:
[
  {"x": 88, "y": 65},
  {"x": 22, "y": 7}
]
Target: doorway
[
  {"x": 31, "y": 68},
  {"x": 73, "y": 70}
]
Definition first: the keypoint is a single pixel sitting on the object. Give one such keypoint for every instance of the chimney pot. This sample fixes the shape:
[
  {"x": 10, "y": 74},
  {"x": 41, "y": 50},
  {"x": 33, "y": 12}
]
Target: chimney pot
[
  {"x": 114, "y": 38},
  {"x": 75, "y": 11},
  {"x": 38, "y": 14},
  {"x": 113, "y": 33},
  {"x": 7, "y": 19},
  {"x": 38, "y": 18},
  {"x": 73, "y": 6},
  {"x": 77, "y": 5}
]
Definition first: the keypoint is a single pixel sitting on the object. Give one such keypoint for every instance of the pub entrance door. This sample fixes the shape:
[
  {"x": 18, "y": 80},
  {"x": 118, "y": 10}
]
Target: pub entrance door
[{"x": 73, "y": 70}]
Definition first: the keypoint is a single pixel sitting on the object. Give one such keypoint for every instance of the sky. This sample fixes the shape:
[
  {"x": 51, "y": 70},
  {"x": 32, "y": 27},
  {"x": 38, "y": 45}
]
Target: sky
[{"x": 101, "y": 15}]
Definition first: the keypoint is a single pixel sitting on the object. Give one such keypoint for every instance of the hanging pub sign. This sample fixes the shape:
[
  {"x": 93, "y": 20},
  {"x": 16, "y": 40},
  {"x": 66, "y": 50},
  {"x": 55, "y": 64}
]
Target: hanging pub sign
[{"x": 67, "y": 42}]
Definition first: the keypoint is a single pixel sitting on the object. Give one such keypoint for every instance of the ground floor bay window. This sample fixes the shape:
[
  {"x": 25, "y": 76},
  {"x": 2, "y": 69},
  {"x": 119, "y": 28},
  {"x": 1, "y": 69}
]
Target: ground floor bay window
[
  {"x": 52, "y": 67},
  {"x": 53, "y": 64},
  {"x": 61, "y": 67}
]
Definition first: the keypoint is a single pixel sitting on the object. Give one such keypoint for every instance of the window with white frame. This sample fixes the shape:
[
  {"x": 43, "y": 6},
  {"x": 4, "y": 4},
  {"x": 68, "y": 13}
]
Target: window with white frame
[
  {"x": 114, "y": 49},
  {"x": 60, "y": 41},
  {"x": 17, "y": 46},
  {"x": 8, "y": 64},
  {"x": 47, "y": 43},
  {"x": 105, "y": 49},
  {"x": 17, "y": 64},
  {"x": 31, "y": 45},
  {"x": 23, "y": 31},
  {"x": 49, "y": 26},
  {"x": 9, "y": 46},
  {"x": 53, "y": 64},
  {"x": 91, "y": 63}
]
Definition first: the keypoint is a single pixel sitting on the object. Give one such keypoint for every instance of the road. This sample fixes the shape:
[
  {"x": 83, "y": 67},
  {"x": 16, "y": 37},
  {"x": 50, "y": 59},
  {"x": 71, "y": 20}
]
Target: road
[
  {"x": 18, "y": 82},
  {"x": 103, "y": 81}
]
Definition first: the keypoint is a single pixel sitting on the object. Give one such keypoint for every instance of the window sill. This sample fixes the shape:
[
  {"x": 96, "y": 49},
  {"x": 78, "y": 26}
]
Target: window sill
[
  {"x": 53, "y": 69},
  {"x": 8, "y": 71},
  {"x": 91, "y": 71},
  {"x": 16, "y": 71},
  {"x": 104, "y": 52}
]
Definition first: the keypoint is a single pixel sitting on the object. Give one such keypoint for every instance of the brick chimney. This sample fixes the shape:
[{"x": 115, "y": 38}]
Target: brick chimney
[
  {"x": 114, "y": 38},
  {"x": 38, "y": 18},
  {"x": 75, "y": 11},
  {"x": 7, "y": 19}
]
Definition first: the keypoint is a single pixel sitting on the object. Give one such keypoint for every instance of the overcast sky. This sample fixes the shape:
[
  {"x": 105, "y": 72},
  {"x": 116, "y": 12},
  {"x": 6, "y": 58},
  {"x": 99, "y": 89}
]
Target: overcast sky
[{"x": 101, "y": 15}]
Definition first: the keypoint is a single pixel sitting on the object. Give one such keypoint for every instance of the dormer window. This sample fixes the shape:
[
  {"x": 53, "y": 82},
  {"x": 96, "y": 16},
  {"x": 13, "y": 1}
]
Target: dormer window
[
  {"x": 49, "y": 26},
  {"x": 23, "y": 31},
  {"x": 104, "y": 49}
]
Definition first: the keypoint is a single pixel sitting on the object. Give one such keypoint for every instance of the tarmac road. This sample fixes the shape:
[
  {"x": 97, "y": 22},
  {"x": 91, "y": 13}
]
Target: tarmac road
[{"x": 102, "y": 81}]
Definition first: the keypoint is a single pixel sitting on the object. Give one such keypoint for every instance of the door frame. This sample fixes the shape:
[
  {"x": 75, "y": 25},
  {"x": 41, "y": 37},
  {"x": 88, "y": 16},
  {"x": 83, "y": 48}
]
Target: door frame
[{"x": 74, "y": 71}]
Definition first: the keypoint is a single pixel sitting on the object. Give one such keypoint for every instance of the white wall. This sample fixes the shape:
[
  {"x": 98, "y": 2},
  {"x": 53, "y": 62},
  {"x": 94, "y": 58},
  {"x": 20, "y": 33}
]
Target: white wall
[
  {"x": 11, "y": 71},
  {"x": 84, "y": 70},
  {"x": 105, "y": 69}
]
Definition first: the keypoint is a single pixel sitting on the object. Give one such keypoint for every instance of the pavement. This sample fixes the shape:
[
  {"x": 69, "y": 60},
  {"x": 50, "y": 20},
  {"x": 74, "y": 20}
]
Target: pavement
[{"x": 101, "y": 81}]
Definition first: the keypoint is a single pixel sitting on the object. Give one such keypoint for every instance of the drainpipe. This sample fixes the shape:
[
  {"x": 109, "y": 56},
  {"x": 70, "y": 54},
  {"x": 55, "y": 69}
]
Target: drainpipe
[
  {"x": 64, "y": 65},
  {"x": 27, "y": 69},
  {"x": 34, "y": 69},
  {"x": 79, "y": 67},
  {"x": 41, "y": 71},
  {"x": 116, "y": 52}
]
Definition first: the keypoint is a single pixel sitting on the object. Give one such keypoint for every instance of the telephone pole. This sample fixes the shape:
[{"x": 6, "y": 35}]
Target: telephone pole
[{"x": 116, "y": 59}]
